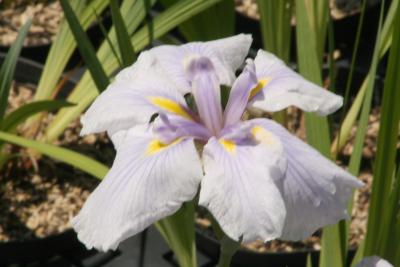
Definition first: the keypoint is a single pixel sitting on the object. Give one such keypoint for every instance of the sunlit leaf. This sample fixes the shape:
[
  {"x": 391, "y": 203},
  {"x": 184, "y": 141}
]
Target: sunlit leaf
[
  {"x": 86, "y": 48},
  {"x": 12, "y": 120},
  {"x": 85, "y": 92},
  {"x": 8, "y": 67},
  {"x": 124, "y": 43},
  {"x": 70, "y": 157}
]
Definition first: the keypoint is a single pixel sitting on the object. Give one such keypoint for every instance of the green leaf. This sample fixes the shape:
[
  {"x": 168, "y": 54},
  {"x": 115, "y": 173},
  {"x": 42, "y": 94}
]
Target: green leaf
[
  {"x": 8, "y": 68},
  {"x": 309, "y": 262},
  {"x": 63, "y": 46},
  {"x": 208, "y": 24},
  {"x": 12, "y": 120},
  {"x": 178, "y": 231},
  {"x": 275, "y": 25},
  {"x": 125, "y": 46},
  {"x": 84, "y": 92},
  {"x": 356, "y": 156},
  {"x": 70, "y": 157},
  {"x": 86, "y": 48},
  {"x": 311, "y": 19},
  {"x": 107, "y": 38},
  {"x": 351, "y": 116},
  {"x": 384, "y": 166}
]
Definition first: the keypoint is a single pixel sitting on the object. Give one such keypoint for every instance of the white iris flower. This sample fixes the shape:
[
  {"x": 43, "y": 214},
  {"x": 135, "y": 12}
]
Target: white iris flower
[{"x": 257, "y": 180}]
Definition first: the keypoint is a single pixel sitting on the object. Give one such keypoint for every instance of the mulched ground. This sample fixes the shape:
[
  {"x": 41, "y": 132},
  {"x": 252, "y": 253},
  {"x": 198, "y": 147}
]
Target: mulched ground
[
  {"x": 46, "y": 19},
  {"x": 339, "y": 8},
  {"x": 39, "y": 196}
]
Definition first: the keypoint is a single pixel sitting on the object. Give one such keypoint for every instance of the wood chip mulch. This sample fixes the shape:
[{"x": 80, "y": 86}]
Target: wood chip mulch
[
  {"x": 38, "y": 195},
  {"x": 45, "y": 16}
]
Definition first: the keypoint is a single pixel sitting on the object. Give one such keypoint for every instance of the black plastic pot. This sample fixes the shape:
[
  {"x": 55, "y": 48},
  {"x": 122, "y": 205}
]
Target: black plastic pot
[
  {"x": 209, "y": 246},
  {"x": 40, "y": 249}
]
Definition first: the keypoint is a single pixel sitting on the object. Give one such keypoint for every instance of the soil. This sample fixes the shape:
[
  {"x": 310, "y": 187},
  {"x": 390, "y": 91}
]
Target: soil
[
  {"x": 339, "y": 8},
  {"x": 46, "y": 19},
  {"x": 39, "y": 196}
]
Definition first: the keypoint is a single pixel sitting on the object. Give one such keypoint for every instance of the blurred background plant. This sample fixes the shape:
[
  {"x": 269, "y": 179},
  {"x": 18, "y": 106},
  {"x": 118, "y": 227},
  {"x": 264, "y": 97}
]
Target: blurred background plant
[{"x": 301, "y": 31}]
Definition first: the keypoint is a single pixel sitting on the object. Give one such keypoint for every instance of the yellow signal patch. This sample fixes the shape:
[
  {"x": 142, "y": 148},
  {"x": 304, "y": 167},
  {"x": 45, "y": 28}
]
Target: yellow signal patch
[
  {"x": 262, "y": 135},
  {"x": 170, "y": 106},
  {"x": 229, "y": 146},
  {"x": 260, "y": 85},
  {"x": 156, "y": 146}
]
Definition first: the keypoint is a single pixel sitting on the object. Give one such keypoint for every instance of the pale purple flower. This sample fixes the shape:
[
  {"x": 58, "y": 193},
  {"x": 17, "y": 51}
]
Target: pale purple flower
[
  {"x": 374, "y": 261},
  {"x": 258, "y": 180}
]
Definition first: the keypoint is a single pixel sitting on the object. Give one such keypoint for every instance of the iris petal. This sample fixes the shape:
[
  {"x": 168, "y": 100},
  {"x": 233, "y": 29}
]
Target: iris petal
[
  {"x": 287, "y": 88},
  {"x": 226, "y": 55},
  {"x": 126, "y": 103},
  {"x": 240, "y": 94},
  {"x": 206, "y": 93},
  {"x": 374, "y": 261},
  {"x": 315, "y": 190},
  {"x": 149, "y": 180},
  {"x": 239, "y": 191}
]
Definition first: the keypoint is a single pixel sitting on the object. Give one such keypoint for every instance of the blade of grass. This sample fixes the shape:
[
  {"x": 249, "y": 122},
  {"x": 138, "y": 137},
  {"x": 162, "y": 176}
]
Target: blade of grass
[
  {"x": 86, "y": 48},
  {"x": 351, "y": 116},
  {"x": 63, "y": 47},
  {"x": 356, "y": 156},
  {"x": 84, "y": 93},
  {"x": 8, "y": 68},
  {"x": 310, "y": 67},
  {"x": 70, "y": 157},
  {"x": 208, "y": 25},
  {"x": 125, "y": 46},
  {"x": 311, "y": 19},
  {"x": 275, "y": 25},
  {"x": 391, "y": 216},
  {"x": 384, "y": 166},
  {"x": 12, "y": 120},
  {"x": 107, "y": 39},
  {"x": 178, "y": 231}
]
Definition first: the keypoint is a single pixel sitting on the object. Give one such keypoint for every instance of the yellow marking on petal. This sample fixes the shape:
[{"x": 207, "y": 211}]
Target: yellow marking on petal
[
  {"x": 156, "y": 146},
  {"x": 260, "y": 85},
  {"x": 262, "y": 135},
  {"x": 229, "y": 146},
  {"x": 169, "y": 105}
]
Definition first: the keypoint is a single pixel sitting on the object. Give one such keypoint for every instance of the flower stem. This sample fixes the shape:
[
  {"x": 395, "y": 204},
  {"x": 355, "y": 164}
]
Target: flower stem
[{"x": 228, "y": 249}]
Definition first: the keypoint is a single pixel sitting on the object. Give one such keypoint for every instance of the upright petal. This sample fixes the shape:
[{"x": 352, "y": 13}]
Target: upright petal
[
  {"x": 126, "y": 103},
  {"x": 239, "y": 191},
  {"x": 282, "y": 87},
  {"x": 168, "y": 128},
  {"x": 240, "y": 94},
  {"x": 315, "y": 190},
  {"x": 225, "y": 54},
  {"x": 149, "y": 180},
  {"x": 206, "y": 93},
  {"x": 374, "y": 261}
]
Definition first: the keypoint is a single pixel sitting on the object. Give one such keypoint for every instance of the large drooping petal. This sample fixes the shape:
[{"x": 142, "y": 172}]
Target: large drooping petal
[
  {"x": 282, "y": 87},
  {"x": 374, "y": 261},
  {"x": 239, "y": 191},
  {"x": 149, "y": 180},
  {"x": 316, "y": 191},
  {"x": 225, "y": 54},
  {"x": 127, "y": 102}
]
